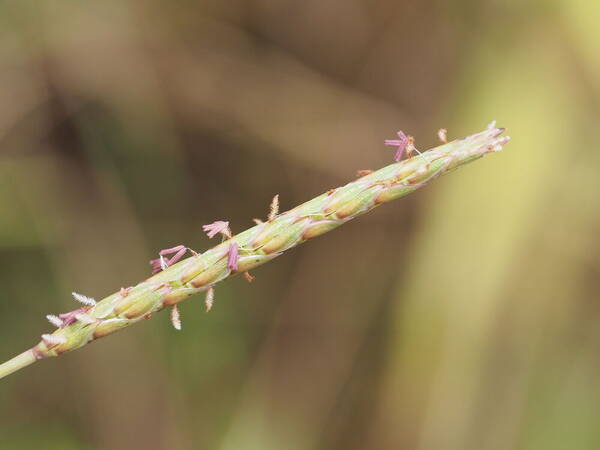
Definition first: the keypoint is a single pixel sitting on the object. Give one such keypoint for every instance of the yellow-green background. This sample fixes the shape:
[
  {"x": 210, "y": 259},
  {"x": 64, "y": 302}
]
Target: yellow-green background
[{"x": 465, "y": 316}]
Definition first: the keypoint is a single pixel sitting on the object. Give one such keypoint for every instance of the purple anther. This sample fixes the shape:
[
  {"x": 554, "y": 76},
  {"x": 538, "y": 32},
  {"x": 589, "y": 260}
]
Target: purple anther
[
  {"x": 220, "y": 226},
  {"x": 156, "y": 265},
  {"x": 179, "y": 252},
  {"x": 162, "y": 263},
  {"x": 401, "y": 145},
  {"x": 69, "y": 317}
]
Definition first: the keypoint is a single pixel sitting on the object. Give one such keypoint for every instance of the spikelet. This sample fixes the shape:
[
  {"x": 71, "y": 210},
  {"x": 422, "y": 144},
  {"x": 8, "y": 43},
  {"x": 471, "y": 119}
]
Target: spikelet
[{"x": 85, "y": 318}]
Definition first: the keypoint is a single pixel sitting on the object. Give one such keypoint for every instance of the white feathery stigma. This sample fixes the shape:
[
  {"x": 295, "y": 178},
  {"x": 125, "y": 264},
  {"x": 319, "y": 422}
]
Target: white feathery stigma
[
  {"x": 54, "y": 320},
  {"x": 51, "y": 339},
  {"x": 175, "y": 318},
  {"x": 88, "y": 301}
]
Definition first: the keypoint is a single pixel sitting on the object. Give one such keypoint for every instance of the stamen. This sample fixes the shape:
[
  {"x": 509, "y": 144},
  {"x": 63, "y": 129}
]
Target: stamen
[
  {"x": 220, "y": 226},
  {"x": 400, "y": 144}
]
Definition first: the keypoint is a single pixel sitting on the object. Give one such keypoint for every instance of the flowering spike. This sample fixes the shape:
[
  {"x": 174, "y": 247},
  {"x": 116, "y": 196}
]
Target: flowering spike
[
  {"x": 209, "y": 299},
  {"x": 232, "y": 259},
  {"x": 88, "y": 301},
  {"x": 274, "y": 208},
  {"x": 260, "y": 244},
  {"x": 443, "y": 135},
  {"x": 220, "y": 226},
  {"x": 52, "y": 340},
  {"x": 175, "y": 318},
  {"x": 54, "y": 320}
]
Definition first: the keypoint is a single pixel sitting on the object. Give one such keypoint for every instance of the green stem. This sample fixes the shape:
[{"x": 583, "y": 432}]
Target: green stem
[{"x": 17, "y": 363}]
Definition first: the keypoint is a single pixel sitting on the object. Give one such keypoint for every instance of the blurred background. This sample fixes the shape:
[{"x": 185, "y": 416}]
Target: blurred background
[{"x": 464, "y": 316}]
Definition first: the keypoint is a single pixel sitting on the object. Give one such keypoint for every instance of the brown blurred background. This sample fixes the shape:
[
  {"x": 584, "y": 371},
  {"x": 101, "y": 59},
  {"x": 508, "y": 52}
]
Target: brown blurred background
[{"x": 464, "y": 316}]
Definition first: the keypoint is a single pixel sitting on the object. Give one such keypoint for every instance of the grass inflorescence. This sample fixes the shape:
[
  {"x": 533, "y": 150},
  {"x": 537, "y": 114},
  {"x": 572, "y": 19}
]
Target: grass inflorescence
[{"x": 174, "y": 279}]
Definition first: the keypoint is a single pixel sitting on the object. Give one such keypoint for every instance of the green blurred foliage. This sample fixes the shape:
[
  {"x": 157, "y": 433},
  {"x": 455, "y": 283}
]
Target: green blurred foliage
[{"x": 463, "y": 316}]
